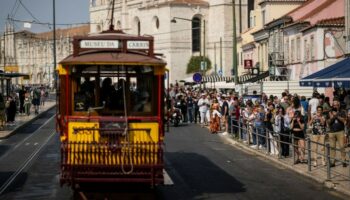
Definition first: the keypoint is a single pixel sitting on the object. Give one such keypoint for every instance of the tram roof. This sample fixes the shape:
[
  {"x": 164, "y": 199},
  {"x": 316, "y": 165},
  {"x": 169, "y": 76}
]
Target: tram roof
[
  {"x": 91, "y": 50},
  {"x": 109, "y": 57}
]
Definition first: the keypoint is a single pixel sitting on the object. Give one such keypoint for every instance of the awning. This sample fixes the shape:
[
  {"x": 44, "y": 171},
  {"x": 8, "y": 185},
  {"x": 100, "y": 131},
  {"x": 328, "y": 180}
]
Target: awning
[
  {"x": 337, "y": 75},
  {"x": 256, "y": 78},
  {"x": 13, "y": 75},
  {"x": 216, "y": 78}
]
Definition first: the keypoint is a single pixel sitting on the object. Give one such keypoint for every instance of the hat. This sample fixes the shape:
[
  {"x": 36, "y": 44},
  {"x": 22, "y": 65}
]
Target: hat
[
  {"x": 223, "y": 95},
  {"x": 203, "y": 94}
]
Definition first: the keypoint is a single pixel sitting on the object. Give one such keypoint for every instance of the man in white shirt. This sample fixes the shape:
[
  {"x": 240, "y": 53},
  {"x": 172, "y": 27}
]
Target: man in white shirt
[
  {"x": 203, "y": 104},
  {"x": 313, "y": 103}
]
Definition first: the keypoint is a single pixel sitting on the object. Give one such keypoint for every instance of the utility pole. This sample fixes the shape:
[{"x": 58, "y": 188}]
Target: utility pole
[
  {"x": 234, "y": 43},
  {"x": 221, "y": 54},
  {"x": 54, "y": 45},
  {"x": 347, "y": 26}
]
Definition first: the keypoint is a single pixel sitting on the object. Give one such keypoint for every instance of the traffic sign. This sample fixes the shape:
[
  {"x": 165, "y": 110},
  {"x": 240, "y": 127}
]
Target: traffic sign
[{"x": 197, "y": 77}]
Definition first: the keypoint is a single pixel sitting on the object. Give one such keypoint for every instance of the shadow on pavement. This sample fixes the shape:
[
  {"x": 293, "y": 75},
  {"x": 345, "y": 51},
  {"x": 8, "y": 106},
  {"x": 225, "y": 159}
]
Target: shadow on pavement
[{"x": 196, "y": 182}]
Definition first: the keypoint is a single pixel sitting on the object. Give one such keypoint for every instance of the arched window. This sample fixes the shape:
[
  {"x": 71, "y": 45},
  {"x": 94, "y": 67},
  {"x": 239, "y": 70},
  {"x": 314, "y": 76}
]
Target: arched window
[
  {"x": 155, "y": 22},
  {"x": 119, "y": 25},
  {"x": 196, "y": 34},
  {"x": 138, "y": 28}
]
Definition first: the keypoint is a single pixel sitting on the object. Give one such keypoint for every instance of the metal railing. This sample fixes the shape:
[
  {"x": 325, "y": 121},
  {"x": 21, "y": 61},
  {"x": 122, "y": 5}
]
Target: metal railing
[{"x": 244, "y": 133}]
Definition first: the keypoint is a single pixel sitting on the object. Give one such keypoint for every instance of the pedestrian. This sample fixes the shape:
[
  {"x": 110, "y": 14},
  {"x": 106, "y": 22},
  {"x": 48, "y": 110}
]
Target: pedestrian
[
  {"x": 43, "y": 96},
  {"x": 11, "y": 110},
  {"x": 27, "y": 105},
  {"x": 318, "y": 125},
  {"x": 297, "y": 128},
  {"x": 215, "y": 116},
  {"x": 21, "y": 95},
  {"x": 203, "y": 104},
  {"x": 36, "y": 99},
  {"x": 336, "y": 122},
  {"x": 282, "y": 126},
  {"x": 190, "y": 107},
  {"x": 225, "y": 113},
  {"x": 259, "y": 128},
  {"x": 196, "y": 108}
]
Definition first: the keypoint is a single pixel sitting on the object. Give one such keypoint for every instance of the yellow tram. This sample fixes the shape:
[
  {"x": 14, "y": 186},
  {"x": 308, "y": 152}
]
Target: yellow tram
[{"x": 110, "y": 115}]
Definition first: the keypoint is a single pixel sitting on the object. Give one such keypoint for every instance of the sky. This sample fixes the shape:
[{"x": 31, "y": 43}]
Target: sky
[{"x": 67, "y": 12}]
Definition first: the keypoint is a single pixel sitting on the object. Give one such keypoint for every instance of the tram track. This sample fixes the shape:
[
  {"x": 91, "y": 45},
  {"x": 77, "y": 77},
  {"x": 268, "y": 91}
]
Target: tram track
[
  {"x": 30, "y": 159},
  {"x": 22, "y": 149}
]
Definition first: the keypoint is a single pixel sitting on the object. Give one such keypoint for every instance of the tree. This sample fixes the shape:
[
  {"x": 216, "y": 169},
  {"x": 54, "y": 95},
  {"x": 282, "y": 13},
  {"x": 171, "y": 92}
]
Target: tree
[{"x": 194, "y": 65}]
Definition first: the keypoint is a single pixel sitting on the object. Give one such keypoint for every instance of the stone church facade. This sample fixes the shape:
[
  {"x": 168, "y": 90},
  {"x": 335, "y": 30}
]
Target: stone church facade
[{"x": 181, "y": 28}]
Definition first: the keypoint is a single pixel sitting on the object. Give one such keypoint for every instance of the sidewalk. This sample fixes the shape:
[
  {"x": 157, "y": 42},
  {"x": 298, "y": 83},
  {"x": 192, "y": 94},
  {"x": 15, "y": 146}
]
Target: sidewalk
[
  {"x": 22, "y": 120},
  {"x": 340, "y": 176}
]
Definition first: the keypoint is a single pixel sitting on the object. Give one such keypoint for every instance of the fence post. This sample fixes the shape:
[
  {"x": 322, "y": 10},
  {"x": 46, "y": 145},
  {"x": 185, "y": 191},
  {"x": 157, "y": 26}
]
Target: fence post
[
  {"x": 267, "y": 140},
  {"x": 239, "y": 129},
  {"x": 349, "y": 162},
  {"x": 231, "y": 125},
  {"x": 328, "y": 161},
  {"x": 309, "y": 154},
  {"x": 293, "y": 150},
  {"x": 257, "y": 138},
  {"x": 279, "y": 146}
]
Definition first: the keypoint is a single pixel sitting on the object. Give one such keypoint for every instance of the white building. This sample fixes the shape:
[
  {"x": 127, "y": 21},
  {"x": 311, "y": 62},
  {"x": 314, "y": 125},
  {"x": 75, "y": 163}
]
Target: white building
[
  {"x": 32, "y": 53},
  {"x": 199, "y": 26}
]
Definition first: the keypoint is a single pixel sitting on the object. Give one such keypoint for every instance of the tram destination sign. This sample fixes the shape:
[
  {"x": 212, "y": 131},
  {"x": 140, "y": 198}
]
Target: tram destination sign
[
  {"x": 138, "y": 44},
  {"x": 99, "y": 44}
]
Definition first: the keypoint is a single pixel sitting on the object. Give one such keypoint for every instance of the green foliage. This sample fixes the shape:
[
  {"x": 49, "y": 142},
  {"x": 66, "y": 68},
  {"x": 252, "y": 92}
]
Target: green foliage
[{"x": 194, "y": 65}]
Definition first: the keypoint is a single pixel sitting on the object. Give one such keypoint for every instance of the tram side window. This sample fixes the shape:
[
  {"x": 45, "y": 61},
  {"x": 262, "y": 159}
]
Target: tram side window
[
  {"x": 85, "y": 95},
  {"x": 141, "y": 89}
]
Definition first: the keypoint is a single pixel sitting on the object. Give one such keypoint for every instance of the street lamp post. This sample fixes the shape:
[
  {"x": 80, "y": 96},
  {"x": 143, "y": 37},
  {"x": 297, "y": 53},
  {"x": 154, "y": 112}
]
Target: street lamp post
[
  {"x": 234, "y": 43},
  {"x": 54, "y": 44},
  {"x": 192, "y": 20}
]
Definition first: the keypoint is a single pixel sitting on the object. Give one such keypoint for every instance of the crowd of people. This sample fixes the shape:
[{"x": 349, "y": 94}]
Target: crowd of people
[
  {"x": 270, "y": 122},
  {"x": 21, "y": 101}
]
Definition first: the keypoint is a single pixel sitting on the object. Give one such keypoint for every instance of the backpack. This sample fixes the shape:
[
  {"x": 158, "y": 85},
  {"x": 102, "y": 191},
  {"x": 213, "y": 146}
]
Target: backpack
[{"x": 36, "y": 94}]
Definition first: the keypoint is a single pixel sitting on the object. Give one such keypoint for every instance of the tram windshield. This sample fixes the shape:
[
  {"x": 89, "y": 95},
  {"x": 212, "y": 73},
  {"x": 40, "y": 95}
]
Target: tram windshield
[{"x": 114, "y": 89}]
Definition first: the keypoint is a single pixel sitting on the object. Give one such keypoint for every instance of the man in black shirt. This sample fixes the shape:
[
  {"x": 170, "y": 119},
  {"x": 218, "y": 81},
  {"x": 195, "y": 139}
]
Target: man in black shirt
[
  {"x": 225, "y": 112},
  {"x": 336, "y": 122}
]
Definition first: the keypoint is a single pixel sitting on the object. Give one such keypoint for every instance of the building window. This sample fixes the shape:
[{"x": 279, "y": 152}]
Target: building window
[
  {"x": 138, "y": 28},
  {"x": 196, "y": 34},
  {"x": 306, "y": 49},
  {"x": 312, "y": 48},
  {"x": 292, "y": 49},
  {"x": 119, "y": 25},
  {"x": 286, "y": 51},
  {"x": 263, "y": 17},
  {"x": 298, "y": 49},
  {"x": 93, "y": 3},
  {"x": 156, "y": 23}
]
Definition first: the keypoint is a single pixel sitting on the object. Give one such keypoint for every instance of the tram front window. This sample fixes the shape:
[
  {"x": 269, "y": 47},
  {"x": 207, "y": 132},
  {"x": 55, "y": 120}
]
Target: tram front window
[{"x": 114, "y": 90}]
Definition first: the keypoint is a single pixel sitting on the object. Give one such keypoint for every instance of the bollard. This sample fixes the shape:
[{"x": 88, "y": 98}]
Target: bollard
[
  {"x": 309, "y": 154},
  {"x": 293, "y": 150},
  {"x": 328, "y": 162}
]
